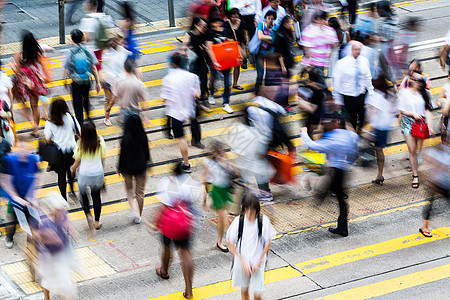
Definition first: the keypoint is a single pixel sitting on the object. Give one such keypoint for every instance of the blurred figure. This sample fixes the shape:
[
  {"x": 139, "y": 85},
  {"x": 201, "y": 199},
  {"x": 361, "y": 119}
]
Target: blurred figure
[
  {"x": 74, "y": 5},
  {"x": 131, "y": 91},
  {"x": 265, "y": 33},
  {"x": 19, "y": 184},
  {"x": 89, "y": 156},
  {"x": 178, "y": 190},
  {"x": 318, "y": 40},
  {"x": 277, "y": 80},
  {"x": 195, "y": 39},
  {"x": 127, "y": 25},
  {"x": 237, "y": 27},
  {"x": 55, "y": 252},
  {"x": 341, "y": 147},
  {"x": 249, "y": 239},
  {"x": 61, "y": 129},
  {"x": 314, "y": 6},
  {"x": 30, "y": 83},
  {"x": 218, "y": 34},
  {"x": 80, "y": 66},
  {"x": 283, "y": 45},
  {"x": 249, "y": 10},
  {"x": 350, "y": 6},
  {"x": 387, "y": 26},
  {"x": 351, "y": 82},
  {"x": 7, "y": 123},
  {"x": 280, "y": 12},
  {"x": 415, "y": 66},
  {"x": 100, "y": 5},
  {"x": 6, "y": 85},
  {"x": 179, "y": 91},
  {"x": 367, "y": 24},
  {"x": 343, "y": 37},
  {"x": 442, "y": 102},
  {"x": 414, "y": 104},
  {"x": 133, "y": 162},
  {"x": 218, "y": 172},
  {"x": 444, "y": 53},
  {"x": 113, "y": 72},
  {"x": 381, "y": 115}
]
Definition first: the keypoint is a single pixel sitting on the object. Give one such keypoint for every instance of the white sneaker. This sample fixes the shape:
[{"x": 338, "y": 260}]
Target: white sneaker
[
  {"x": 9, "y": 243},
  {"x": 211, "y": 100},
  {"x": 228, "y": 109}
]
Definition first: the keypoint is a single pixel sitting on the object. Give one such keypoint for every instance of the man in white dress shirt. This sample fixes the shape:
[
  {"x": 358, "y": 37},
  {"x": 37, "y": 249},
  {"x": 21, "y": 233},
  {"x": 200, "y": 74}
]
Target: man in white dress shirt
[
  {"x": 275, "y": 6},
  {"x": 351, "y": 82},
  {"x": 248, "y": 9},
  {"x": 180, "y": 88}
]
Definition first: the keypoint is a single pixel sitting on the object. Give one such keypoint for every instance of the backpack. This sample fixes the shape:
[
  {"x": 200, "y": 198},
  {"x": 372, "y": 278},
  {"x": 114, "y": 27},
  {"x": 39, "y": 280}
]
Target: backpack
[
  {"x": 101, "y": 35},
  {"x": 80, "y": 65}
]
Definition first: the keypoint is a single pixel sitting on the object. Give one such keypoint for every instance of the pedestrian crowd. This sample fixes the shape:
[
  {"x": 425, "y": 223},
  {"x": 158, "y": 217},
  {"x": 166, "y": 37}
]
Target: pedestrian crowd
[{"x": 354, "y": 81}]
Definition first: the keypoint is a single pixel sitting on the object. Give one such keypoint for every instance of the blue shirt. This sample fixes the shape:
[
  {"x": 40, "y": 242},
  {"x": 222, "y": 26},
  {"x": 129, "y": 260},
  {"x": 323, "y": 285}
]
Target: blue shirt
[{"x": 340, "y": 146}]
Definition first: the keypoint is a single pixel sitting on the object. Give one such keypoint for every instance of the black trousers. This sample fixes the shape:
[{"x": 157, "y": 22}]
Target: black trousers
[
  {"x": 355, "y": 107},
  {"x": 336, "y": 186},
  {"x": 250, "y": 22},
  {"x": 195, "y": 129},
  {"x": 352, "y": 4},
  {"x": 96, "y": 203},
  {"x": 201, "y": 70},
  {"x": 100, "y": 5},
  {"x": 64, "y": 169},
  {"x": 80, "y": 98}
]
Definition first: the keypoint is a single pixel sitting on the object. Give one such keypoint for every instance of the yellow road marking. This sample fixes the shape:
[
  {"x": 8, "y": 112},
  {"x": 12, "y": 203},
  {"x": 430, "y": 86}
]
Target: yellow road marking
[
  {"x": 352, "y": 255},
  {"x": 394, "y": 284},
  {"x": 225, "y": 287}
]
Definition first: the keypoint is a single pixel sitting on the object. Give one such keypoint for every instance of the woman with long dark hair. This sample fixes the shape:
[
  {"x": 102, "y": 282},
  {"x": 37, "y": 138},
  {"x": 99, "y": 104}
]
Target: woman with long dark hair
[
  {"x": 29, "y": 79},
  {"x": 283, "y": 45},
  {"x": 89, "y": 155},
  {"x": 61, "y": 128},
  {"x": 414, "y": 105},
  {"x": 133, "y": 162}
]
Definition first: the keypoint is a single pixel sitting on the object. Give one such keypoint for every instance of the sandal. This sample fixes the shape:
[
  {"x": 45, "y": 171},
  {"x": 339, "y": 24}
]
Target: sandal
[
  {"x": 426, "y": 234},
  {"x": 238, "y": 87},
  {"x": 185, "y": 296},
  {"x": 35, "y": 134},
  {"x": 107, "y": 122},
  {"x": 160, "y": 274},
  {"x": 97, "y": 225},
  {"x": 415, "y": 185}
]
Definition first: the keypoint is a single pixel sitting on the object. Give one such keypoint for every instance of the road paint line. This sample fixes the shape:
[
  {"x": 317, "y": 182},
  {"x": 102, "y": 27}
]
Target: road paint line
[
  {"x": 393, "y": 285},
  {"x": 373, "y": 250},
  {"x": 225, "y": 287}
]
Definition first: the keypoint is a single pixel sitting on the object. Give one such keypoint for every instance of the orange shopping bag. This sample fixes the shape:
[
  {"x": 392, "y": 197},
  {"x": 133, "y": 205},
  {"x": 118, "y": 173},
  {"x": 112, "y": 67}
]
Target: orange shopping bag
[
  {"x": 227, "y": 54},
  {"x": 283, "y": 164}
]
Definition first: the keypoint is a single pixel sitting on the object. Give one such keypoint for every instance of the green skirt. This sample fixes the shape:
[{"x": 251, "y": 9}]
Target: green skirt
[{"x": 220, "y": 196}]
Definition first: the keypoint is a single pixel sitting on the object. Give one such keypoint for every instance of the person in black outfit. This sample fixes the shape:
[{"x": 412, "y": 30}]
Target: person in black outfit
[
  {"x": 351, "y": 7},
  {"x": 318, "y": 88},
  {"x": 283, "y": 45}
]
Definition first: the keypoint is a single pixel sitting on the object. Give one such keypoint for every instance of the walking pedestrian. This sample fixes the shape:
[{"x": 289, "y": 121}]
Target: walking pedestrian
[
  {"x": 381, "y": 116},
  {"x": 127, "y": 25},
  {"x": 55, "y": 251},
  {"x": 195, "y": 39},
  {"x": 249, "y": 239},
  {"x": 19, "y": 184},
  {"x": 350, "y": 6},
  {"x": 218, "y": 172},
  {"x": 265, "y": 35},
  {"x": 414, "y": 104},
  {"x": 130, "y": 92},
  {"x": 133, "y": 163},
  {"x": 61, "y": 128},
  {"x": 113, "y": 72},
  {"x": 30, "y": 82},
  {"x": 366, "y": 25},
  {"x": 280, "y": 13},
  {"x": 351, "y": 82},
  {"x": 283, "y": 45},
  {"x": 181, "y": 193},
  {"x": 318, "y": 40},
  {"x": 89, "y": 157},
  {"x": 74, "y": 5},
  {"x": 217, "y": 34},
  {"x": 179, "y": 91},
  {"x": 340, "y": 146},
  {"x": 79, "y": 67},
  {"x": 343, "y": 37},
  {"x": 249, "y": 10}
]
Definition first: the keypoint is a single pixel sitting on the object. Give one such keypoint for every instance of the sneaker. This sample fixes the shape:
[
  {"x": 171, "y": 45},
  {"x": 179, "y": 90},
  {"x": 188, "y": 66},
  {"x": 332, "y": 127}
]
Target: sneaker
[
  {"x": 211, "y": 100},
  {"x": 228, "y": 109},
  {"x": 138, "y": 220},
  {"x": 9, "y": 243},
  {"x": 186, "y": 169},
  {"x": 198, "y": 145}
]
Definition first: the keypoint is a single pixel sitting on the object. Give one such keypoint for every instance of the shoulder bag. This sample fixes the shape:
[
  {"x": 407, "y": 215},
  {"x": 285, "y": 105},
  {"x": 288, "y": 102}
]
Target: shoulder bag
[{"x": 420, "y": 129}]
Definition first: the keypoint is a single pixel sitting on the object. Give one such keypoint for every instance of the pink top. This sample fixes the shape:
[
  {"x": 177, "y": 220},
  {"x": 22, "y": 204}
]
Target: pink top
[{"x": 319, "y": 40}]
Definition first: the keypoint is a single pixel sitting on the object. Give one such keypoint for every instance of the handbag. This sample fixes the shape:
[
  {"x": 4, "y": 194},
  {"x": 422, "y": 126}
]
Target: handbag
[
  {"x": 255, "y": 43},
  {"x": 176, "y": 222},
  {"x": 227, "y": 54},
  {"x": 50, "y": 153},
  {"x": 241, "y": 48},
  {"x": 420, "y": 129}
]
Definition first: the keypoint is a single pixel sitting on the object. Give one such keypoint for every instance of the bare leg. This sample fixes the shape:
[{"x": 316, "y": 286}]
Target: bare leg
[
  {"x": 165, "y": 260},
  {"x": 425, "y": 226},
  {"x": 236, "y": 72},
  {"x": 380, "y": 161},
  {"x": 109, "y": 103},
  {"x": 220, "y": 227},
  {"x": 36, "y": 113},
  {"x": 245, "y": 295},
  {"x": 411, "y": 143},
  {"x": 257, "y": 296},
  {"x": 187, "y": 266},
  {"x": 46, "y": 294},
  {"x": 182, "y": 143},
  {"x": 45, "y": 110}
]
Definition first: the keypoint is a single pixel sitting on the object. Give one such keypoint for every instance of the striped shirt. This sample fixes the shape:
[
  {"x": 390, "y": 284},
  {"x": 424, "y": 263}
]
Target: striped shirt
[{"x": 319, "y": 40}]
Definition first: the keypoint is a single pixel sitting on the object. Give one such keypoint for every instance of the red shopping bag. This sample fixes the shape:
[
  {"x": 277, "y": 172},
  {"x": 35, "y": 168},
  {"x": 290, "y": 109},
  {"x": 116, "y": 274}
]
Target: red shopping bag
[
  {"x": 283, "y": 164},
  {"x": 176, "y": 222},
  {"x": 228, "y": 54},
  {"x": 420, "y": 129}
]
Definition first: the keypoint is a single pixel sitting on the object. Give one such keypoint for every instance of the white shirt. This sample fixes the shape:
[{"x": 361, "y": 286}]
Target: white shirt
[
  {"x": 345, "y": 76},
  {"x": 113, "y": 64},
  {"x": 411, "y": 102},
  {"x": 5, "y": 85},
  {"x": 251, "y": 246},
  {"x": 179, "y": 89},
  {"x": 281, "y": 13},
  {"x": 172, "y": 189},
  {"x": 261, "y": 119},
  {"x": 253, "y": 9},
  {"x": 383, "y": 114},
  {"x": 89, "y": 25},
  {"x": 63, "y": 136}
]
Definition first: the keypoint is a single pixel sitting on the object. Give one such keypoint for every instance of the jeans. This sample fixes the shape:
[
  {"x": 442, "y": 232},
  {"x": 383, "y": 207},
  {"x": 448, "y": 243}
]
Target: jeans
[
  {"x": 226, "y": 88},
  {"x": 259, "y": 62},
  {"x": 336, "y": 186},
  {"x": 80, "y": 96}
]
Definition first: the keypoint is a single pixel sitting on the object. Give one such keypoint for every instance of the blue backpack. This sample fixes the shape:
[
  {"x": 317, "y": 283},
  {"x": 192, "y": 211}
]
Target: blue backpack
[{"x": 80, "y": 66}]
